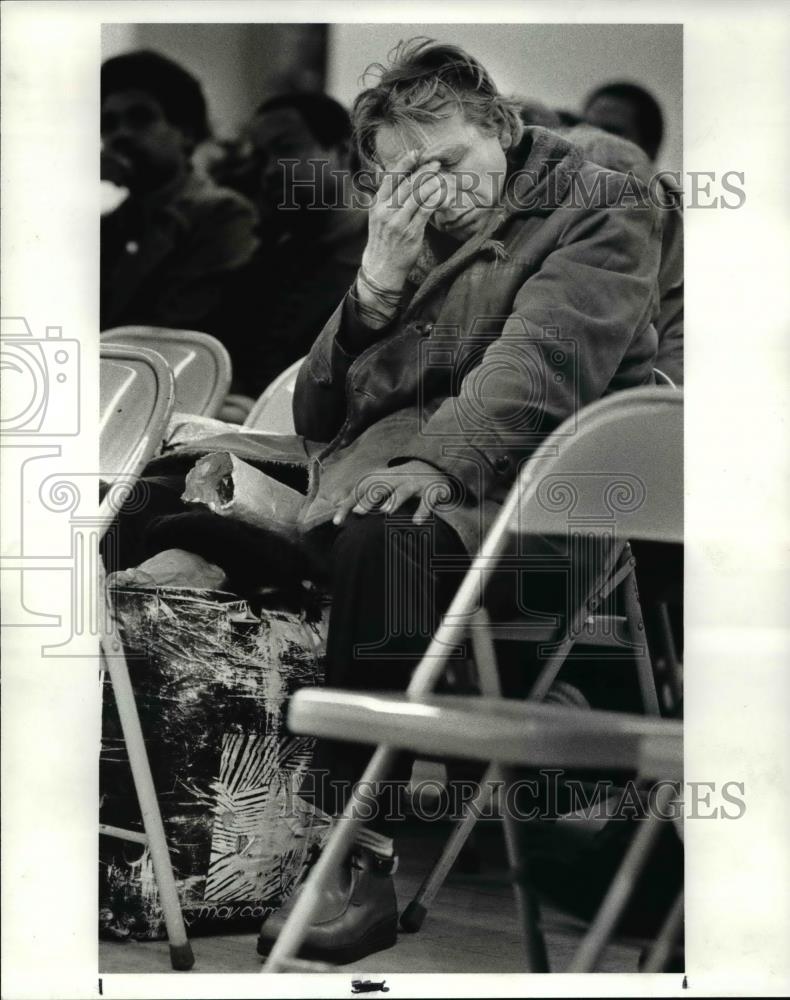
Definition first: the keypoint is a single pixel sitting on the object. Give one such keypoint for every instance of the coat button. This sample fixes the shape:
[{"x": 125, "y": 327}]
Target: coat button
[
  {"x": 428, "y": 328},
  {"x": 502, "y": 464}
]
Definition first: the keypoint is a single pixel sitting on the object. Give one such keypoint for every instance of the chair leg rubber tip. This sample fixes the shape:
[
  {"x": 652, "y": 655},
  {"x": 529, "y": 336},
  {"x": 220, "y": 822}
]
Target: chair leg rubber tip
[
  {"x": 181, "y": 957},
  {"x": 412, "y": 917}
]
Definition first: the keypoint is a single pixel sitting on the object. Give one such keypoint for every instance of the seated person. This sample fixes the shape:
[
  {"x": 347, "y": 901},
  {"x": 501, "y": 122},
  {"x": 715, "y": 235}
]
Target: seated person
[
  {"x": 168, "y": 248},
  {"x": 312, "y": 238},
  {"x": 489, "y": 307},
  {"x": 627, "y": 110},
  {"x": 623, "y": 155}
]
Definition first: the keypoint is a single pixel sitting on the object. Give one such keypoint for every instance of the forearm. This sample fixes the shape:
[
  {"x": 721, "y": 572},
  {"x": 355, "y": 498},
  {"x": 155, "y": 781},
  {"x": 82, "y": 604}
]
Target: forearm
[{"x": 369, "y": 311}]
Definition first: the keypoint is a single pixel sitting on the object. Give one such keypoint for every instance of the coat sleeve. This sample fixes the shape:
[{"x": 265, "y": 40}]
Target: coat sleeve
[
  {"x": 571, "y": 324},
  {"x": 320, "y": 403}
]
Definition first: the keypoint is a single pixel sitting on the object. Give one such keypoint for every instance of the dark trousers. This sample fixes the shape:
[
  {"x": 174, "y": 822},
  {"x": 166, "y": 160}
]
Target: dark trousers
[{"x": 390, "y": 582}]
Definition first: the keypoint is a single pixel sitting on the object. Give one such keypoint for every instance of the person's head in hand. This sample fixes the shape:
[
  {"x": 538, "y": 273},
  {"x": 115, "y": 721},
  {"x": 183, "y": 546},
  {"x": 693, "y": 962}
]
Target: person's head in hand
[
  {"x": 153, "y": 115},
  {"x": 436, "y": 109}
]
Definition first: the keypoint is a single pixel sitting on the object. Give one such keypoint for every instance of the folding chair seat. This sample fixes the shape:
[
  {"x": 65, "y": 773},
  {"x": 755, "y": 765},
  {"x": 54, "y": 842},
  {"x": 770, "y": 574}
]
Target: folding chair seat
[
  {"x": 137, "y": 392},
  {"x": 611, "y": 473},
  {"x": 516, "y": 734},
  {"x": 273, "y": 411},
  {"x": 201, "y": 364},
  {"x": 505, "y": 730}
]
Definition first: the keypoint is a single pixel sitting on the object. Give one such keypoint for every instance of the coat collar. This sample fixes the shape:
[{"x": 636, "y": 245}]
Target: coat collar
[
  {"x": 540, "y": 175},
  {"x": 542, "y": 168}
]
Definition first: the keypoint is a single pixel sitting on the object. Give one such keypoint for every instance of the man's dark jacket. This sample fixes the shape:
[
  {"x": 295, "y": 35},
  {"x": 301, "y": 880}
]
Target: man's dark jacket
[{"x": 165, "y": 257}]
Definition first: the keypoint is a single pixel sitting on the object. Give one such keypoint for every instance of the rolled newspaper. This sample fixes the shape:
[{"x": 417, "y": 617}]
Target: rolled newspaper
[{"x": 233, "y": 488}]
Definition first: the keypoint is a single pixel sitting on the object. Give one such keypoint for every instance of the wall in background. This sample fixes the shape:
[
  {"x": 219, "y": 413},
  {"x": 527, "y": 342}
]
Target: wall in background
[
  {"x": 554, "y": 63},
  {"x": 238, "y": 64}
]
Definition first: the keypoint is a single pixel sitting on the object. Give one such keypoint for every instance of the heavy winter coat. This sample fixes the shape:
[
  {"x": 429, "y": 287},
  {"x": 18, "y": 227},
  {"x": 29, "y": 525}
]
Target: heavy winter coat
[{"x": 548, "y": 309}]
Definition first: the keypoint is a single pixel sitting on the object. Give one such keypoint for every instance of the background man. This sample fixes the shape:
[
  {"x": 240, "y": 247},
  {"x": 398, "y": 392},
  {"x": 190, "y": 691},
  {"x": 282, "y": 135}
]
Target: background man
[
  {"x": 167, "y": 249},
  {"x": 627, "y": 110},
  {"x": 298, "y": 168}
]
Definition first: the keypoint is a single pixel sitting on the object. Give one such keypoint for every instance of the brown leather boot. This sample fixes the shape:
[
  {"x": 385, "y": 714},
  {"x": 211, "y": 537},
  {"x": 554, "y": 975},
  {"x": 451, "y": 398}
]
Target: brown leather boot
[{"x": 357, "y": 916}]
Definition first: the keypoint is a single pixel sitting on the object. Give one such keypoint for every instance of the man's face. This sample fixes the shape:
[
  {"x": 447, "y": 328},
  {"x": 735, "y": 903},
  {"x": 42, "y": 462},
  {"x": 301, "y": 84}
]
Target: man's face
[
  {"x": 615, "y": 115},
  {"x": 149, "y": 149},
  {"x": 472, "y": 167},
  {"x": 282, "y": 134}
]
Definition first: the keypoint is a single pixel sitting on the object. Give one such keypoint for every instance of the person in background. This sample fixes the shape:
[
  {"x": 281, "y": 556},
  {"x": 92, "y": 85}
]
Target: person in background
[
  {"x": 168, "y": 248},
  {"x": 298, "y": 166},
  {"x": 627, "y": 110},
  {"x": 623, "y": 155}
]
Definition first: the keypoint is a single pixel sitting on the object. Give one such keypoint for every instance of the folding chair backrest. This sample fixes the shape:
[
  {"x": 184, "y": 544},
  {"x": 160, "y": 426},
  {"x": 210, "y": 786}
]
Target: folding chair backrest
[
  {"x": 137, "y": 391},
  {"x": 616, "y": 468},
  {"x": 201, "y": 364},
  {"x": 273, "y": 412}
]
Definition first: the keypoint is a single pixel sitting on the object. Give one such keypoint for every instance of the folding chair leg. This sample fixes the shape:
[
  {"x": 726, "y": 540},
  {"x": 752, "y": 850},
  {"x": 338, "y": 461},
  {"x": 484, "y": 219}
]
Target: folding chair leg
[
  {"x": 413, "y": 915},
  {"x": 659, "y": 954},
  {"x": 181, "y": 956},
  {"x": 623, "y": 883},
  {"x": 423, "y": 681},
  {"x": 674, "y": 679},
  {"x": 549, "y": 672},
  {"x": 636, "y": 628},
  {"x": 526, "y": 899},
  {"x": 415, "y": 912}
]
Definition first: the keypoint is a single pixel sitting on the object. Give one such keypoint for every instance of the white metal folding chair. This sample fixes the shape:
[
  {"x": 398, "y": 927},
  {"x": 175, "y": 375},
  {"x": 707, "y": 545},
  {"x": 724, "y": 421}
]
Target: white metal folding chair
[
  {"x": 137, "y": 393},
  {"x": 201, "y": 364},
  {"x": 273, "y": 411},
  {"x": 136, "y": 398},
  {"x": 626, "y": 451},
  {"x": 591, "y": 622}
]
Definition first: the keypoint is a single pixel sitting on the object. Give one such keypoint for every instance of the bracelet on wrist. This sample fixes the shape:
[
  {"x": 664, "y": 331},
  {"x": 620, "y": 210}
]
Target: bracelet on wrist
[{"x": 376, "y": 287}]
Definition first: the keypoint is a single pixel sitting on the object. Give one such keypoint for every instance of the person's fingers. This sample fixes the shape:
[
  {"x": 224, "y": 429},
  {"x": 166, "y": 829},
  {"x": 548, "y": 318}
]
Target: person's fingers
[
  {"x": 374, "y": 498},
  {"x": 400, "y": 495},
  {"x": 424, "y": 201},
  {"x": 423, "y": 177},
  {"x": 387, "y": 497},
  {"x": 343, "y": 510},
  {"x": 422, "y": 513},
  {"x": 407, "y": 184},
  {"x": 393, "y": 177},
  {"x": 437, "y": 492}
]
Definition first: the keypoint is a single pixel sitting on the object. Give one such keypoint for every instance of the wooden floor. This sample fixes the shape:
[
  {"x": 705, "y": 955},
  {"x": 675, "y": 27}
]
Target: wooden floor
[{"x": 471, "y": 926}]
